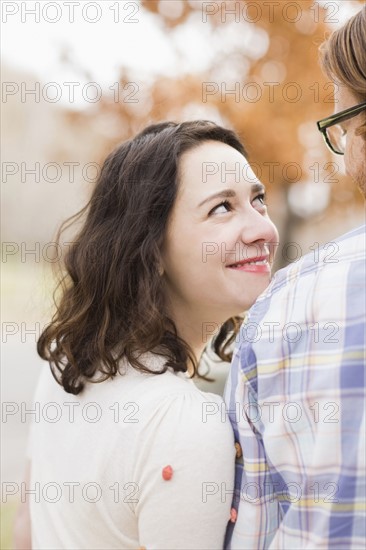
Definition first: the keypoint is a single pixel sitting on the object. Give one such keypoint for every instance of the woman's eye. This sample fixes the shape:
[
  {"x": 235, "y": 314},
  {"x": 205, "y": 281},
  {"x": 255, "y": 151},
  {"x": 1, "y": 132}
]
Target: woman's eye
[
  {"x": 261, "y": 198},
  {"x": 221, "y": 208}
]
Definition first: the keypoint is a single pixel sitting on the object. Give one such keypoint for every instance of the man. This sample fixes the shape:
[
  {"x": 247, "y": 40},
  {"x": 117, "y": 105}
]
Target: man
[{"x": 296, "y": 390}]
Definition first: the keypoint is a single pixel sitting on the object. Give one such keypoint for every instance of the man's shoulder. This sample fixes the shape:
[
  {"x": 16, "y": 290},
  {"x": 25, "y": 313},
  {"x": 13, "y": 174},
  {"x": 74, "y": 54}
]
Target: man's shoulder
[
  {"x": 354, "y": 233},
  {"x": 351, "y": 245},
  {"x": 347, "y": 249}
]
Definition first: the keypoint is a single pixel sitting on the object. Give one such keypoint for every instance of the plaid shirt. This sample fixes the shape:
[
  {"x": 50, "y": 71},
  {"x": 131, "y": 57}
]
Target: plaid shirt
[{"x": 295, "y": 397}]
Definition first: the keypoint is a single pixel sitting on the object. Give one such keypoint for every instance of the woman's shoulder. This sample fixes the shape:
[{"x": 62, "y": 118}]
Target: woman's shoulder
[
  {"x": 171, "y": 393},
  {"x": 167, "y": 386},
  {"x": 171, "y": 401}
]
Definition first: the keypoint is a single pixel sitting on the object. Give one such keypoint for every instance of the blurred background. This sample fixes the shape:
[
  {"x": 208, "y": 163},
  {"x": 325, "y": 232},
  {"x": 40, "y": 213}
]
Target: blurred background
[{"x": 80, "y": 77}]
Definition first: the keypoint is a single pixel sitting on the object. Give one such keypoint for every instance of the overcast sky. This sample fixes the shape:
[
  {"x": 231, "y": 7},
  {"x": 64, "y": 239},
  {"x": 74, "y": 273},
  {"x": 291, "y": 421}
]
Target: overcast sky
[{"x": 100, "y": 37}]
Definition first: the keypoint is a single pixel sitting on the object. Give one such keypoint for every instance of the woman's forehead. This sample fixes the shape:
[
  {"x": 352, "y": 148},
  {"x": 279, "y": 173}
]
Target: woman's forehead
[{"x": 211, "y": 166}]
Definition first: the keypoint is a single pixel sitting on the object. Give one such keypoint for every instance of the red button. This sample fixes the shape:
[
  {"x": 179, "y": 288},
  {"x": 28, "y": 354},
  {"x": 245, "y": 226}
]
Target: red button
[{"x": 167, "y": 473}]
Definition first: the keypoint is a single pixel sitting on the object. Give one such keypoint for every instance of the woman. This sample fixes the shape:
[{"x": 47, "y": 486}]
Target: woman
[{"x": 134, "y": 455}]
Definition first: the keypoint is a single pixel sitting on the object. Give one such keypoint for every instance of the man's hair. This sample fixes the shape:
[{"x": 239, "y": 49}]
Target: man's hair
[{"x": 343, "y": 58}]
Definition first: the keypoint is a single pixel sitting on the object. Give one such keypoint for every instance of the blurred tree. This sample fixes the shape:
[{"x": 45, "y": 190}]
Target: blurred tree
[{"x": 264, "y": 80}]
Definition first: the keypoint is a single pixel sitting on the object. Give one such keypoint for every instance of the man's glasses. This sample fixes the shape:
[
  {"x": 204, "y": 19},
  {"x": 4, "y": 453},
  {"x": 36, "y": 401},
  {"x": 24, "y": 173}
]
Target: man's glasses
[{"x": 333, "y": 134}]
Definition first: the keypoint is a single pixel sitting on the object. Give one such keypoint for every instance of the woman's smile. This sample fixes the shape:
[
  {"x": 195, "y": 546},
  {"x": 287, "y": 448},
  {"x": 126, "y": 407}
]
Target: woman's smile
[{"x": 253, "y": 265}]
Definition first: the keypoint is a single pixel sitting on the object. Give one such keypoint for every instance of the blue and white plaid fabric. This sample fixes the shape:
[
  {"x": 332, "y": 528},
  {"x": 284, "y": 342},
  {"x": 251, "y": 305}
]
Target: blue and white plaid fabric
[{"x": 296, "y": 400}]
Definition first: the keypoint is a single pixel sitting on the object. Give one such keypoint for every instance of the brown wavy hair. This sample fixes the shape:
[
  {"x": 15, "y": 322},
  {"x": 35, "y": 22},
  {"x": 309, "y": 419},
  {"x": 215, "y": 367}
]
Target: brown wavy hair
[
  {"x": 343, "y": 58},
  {"x": 109, "y": 299}
]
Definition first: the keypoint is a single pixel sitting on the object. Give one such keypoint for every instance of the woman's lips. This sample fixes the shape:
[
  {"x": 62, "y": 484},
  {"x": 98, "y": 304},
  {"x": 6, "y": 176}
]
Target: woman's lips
[{"x": 254, "y": 265}]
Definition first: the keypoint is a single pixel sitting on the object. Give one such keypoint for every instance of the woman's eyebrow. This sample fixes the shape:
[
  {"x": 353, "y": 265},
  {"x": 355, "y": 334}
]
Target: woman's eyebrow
[
  {"x": 258, "y": 188},
  {"x": 224, "y": 194},
  {"x": 229, "y": 193}
]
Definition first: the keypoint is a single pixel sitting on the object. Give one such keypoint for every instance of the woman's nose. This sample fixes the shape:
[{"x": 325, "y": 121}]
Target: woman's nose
[{"x": 258, "y": 228}]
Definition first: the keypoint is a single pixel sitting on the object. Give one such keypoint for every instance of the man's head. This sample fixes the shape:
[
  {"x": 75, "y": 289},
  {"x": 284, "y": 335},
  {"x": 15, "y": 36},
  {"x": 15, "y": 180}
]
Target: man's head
[{"x": 343, "y": 57}]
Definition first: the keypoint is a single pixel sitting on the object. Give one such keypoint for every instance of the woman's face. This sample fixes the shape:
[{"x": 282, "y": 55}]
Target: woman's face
[
  {"x": 355, "y": 153},
  {"x": 219, "y": 245}
]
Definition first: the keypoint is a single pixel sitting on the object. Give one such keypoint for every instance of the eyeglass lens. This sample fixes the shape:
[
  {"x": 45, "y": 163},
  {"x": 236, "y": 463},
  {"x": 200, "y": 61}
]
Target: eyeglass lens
[{"x": 337, "y": 138}]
